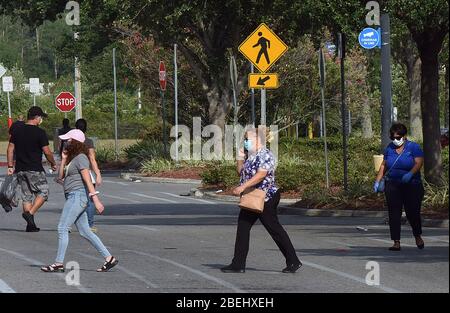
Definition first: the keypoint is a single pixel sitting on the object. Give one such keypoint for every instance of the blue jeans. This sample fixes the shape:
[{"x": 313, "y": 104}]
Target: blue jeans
[
  {"x": 90, "y": 210},
  {"x": 74, "y": 212}
]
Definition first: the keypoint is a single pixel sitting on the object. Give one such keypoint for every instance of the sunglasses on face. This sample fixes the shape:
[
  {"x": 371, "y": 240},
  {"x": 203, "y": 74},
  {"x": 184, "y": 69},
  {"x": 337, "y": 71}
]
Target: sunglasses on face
[{"x": 396, "y": 137}]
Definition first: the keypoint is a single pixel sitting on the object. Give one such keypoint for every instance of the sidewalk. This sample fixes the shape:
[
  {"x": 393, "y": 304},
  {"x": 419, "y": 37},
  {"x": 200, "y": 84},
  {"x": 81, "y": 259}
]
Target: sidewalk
[{"x": 285, "y": 207}]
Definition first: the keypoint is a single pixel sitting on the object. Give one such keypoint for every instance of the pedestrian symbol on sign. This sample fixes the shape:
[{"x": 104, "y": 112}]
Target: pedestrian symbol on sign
[{"x": 265, "y": 44}]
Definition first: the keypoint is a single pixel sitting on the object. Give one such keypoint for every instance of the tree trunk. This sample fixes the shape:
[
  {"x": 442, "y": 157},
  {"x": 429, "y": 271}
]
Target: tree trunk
[
  {"x": 415, "y": 116},
  {"x": 367, "y": 131},
  {"x": 446, "y": 98},
  {"x": 219, "y": 105},
  {"x": 430, "y": 111}
]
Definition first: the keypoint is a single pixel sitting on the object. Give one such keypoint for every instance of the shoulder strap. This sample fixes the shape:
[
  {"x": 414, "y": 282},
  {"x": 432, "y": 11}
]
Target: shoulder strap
[{"x": 406, "y": 145}]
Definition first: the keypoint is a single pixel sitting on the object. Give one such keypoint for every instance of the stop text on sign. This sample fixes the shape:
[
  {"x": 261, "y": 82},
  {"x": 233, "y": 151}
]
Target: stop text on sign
[{"x": 65, "y": 101}]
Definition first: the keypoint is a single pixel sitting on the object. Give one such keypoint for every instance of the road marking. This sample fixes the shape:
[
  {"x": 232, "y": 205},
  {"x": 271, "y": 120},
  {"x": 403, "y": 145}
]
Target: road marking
[
  {"x": 4, "y": 288},
  {"x": 192, "y": 270},
  {"x": 186, "y": 197},
  {"x": 126, "y": 271},
  {"x": 36, "y": 262},
  {"x": 150, "y": 197},
  {"x": 343, "y": 244},
  {"x": 436, "y": 239},
  {"x": 145, "y": 227},
  {"x": 349, "y": 276},
  {"x": 387, "y": 241},
  {"x": 121, "y": 198},
  {"x": 116, "y": 182}
]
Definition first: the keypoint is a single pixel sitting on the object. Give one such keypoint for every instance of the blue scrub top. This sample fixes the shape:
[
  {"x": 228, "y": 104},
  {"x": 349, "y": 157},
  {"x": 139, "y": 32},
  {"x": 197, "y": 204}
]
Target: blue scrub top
[{"x": 405, "y": 163}]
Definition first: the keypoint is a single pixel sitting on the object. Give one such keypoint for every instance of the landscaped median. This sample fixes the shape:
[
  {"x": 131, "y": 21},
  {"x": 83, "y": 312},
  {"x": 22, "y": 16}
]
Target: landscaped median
[{"x": 300, "y": 175}]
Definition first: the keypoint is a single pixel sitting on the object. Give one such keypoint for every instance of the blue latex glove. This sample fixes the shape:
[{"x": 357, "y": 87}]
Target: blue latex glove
[
  {"x": 407, "y": 177},
  {"x": 375, "y": 186}
]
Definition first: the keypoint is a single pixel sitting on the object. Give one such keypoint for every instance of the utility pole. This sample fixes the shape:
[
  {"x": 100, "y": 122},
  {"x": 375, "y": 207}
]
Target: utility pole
[
  {"x": 252, "y": 70},
  {"x": 386, "y": 81},
  {"x": 115, "y": 105},
  {"x": 78, "y": 107},
  {"x": 343, "y": 108}
]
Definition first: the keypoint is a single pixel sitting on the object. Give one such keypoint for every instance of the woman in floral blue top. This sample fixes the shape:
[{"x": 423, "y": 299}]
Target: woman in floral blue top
[{"x": 258, "y": 170}]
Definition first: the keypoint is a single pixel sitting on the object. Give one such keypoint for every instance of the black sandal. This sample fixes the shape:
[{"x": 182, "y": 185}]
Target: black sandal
[
  {"x": 108, "y": 265},
  {"x": 52, "y": 268}
]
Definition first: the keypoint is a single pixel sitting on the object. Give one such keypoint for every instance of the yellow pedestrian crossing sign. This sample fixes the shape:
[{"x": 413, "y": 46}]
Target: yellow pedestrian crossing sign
[
  {"x": 263, "y": 80},
  {"x": 263, "y": 48}
]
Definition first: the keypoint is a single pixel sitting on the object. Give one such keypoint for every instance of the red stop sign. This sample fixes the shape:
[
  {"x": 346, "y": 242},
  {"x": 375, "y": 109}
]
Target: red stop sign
[
  {"x": 162, "y": 76},
  {"x": 65, "y": 101}
]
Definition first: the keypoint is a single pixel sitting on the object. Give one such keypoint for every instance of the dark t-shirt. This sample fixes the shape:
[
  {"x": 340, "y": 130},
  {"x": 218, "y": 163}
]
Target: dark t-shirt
[
  {"x": 15, "y": 125},
  {"x": 28, "y": 143}
]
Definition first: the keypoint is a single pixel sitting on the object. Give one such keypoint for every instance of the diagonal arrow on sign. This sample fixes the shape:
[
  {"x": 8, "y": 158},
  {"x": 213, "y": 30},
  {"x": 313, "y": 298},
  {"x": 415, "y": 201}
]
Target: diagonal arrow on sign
[{"x": 262, "y": 81}]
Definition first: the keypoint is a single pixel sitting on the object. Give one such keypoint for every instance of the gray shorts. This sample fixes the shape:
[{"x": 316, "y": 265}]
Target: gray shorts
[{"x": 33, "y": 184}]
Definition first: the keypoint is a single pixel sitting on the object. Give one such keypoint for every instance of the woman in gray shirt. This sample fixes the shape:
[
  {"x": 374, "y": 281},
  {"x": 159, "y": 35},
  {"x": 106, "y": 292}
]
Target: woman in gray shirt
[{"x": 78, "y": 187}]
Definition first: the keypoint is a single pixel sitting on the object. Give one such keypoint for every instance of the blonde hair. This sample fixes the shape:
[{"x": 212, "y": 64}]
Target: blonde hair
[{"x": 263, "y": 133}]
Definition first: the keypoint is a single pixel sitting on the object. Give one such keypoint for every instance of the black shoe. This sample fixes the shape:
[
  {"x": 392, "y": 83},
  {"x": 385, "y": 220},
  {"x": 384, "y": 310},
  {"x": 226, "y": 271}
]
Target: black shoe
[
  {"x": 292, "y": 268},
  {"x": 31, "y": 229},
  {"x": 421, "y": 246},
  {"x": 231, "y": 269},
  {"x": 396, "y": 246},
  {"x": 29, "y": 218}
]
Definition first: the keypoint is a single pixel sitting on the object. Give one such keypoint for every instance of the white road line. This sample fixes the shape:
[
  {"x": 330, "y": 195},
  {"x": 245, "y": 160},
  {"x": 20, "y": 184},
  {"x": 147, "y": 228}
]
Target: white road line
[
  {"x": 116, "y": 182},
  {"x": 126, "y": 271},
  {"x": 36, "y": 262},
  {"x": 145, "y": 228},
  {"x": 4, "y": 288},
  {"x": 390, "y": 241},
  {"x": 436, "y": 239},
  {"x": 194, "y": 271},
  {"x": 186, "y": 197},
  {"x": 349, "y": 276},
  {"x": 150, "y": 197},
  {"x": 121, "y": 198},
  {"x": 343, "y": 244}
]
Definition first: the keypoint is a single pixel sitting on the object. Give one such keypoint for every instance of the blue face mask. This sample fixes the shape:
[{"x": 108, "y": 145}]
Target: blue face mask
[{"x": 247, "y": 144}]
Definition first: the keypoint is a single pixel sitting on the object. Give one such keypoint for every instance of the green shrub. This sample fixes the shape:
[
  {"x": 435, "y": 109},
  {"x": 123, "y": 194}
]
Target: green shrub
[
  {"x": 157, "y": 165},
  {"x": 105, "y": 154},
  {"x": 145, "y": 150},
  {"x": 221, "y": 174}
]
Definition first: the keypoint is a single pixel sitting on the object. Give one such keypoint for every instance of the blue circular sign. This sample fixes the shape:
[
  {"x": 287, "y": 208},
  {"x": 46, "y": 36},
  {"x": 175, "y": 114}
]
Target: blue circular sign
[{"x": 369, "y": 38}]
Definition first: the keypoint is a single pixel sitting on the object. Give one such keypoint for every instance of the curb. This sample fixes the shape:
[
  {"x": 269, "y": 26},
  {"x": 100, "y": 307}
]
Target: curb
[
  {"x": 287, "y": 210},
  {"x": 161, "y": 180}
]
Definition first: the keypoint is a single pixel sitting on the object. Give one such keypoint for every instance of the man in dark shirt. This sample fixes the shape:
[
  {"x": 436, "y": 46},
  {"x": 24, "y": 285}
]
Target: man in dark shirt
[
  {"x": 62, "y": 131},
  {"x": 16, "y": 124},
  {"x": 29, "y": 142}
]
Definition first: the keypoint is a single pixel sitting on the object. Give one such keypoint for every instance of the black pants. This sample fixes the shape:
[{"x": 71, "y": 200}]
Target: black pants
[
  {"x": 270, "y": 221},
  {"x": 407, "y": 196}
]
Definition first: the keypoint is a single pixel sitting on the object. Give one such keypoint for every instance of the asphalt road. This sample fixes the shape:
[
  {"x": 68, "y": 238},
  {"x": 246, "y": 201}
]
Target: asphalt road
[{"x": 171, "y": 243}]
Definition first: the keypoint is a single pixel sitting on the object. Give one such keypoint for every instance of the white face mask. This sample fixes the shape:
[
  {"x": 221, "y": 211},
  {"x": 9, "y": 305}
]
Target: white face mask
[
  {"x": 40, "y": 120},
  {"x": 398, "y": 142}
]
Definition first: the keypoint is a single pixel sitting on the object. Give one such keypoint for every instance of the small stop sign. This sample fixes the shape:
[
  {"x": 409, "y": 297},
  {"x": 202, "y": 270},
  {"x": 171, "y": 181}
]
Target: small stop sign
[
  {"x": 162, "y": 76},
  {"x": 65, "y": 101}
]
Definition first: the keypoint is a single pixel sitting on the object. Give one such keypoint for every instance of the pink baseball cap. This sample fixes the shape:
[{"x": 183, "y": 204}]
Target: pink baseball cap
[{"x": 76, "y": 134}]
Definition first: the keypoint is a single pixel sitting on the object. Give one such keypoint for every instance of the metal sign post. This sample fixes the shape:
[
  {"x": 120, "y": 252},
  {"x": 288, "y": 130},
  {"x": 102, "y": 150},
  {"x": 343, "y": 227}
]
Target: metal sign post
[
  {"x": 115, "y": 106},
  {"x": 324, "y": 123},
  {"x": 343, "y": 108},
  {"x": 253, "y": 98},
  {"x": 176, "y": 99}
]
